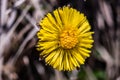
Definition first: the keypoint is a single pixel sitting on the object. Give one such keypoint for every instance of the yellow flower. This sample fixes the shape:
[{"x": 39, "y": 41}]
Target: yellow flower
[{"x": 65, "y": 38}]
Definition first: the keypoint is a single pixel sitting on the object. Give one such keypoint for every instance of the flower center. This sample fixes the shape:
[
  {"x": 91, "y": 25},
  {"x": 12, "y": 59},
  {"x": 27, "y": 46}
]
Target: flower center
[{"x": 68, "y": 38}]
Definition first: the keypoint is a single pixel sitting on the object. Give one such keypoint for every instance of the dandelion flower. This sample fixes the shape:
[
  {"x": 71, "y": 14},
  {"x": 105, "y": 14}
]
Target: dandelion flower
[{"x": 65, "y": 39}]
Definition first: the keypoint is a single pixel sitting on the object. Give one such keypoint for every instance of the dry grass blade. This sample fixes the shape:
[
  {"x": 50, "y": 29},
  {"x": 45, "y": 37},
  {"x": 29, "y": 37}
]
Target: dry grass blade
[
  {"x": 11, "y": 19},
  {"x": 3, "y": 12},
  {"x": 22, "y": 46},
  {"x": 19, "y": 2},
  {"x": 107, "y": 13},
  {"x": 6, "y": 40},
  {"x": 32, "y": 21},
  {"x": 105, "y": 55}
]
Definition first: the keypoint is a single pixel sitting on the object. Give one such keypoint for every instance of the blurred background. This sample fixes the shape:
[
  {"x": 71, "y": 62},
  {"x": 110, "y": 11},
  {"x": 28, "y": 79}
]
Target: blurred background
[{"x": 19, "y": 59}]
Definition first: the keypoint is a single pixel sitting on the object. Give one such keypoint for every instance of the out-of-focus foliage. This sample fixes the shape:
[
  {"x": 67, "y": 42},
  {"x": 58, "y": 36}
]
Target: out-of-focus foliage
[{"x": 19, "y": 59}]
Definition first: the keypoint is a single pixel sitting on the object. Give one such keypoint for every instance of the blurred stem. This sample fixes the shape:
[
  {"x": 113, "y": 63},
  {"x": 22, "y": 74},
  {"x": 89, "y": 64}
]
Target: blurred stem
[
  {"x": 59, "y": 75},
  {"x": 89, "y": 73}
]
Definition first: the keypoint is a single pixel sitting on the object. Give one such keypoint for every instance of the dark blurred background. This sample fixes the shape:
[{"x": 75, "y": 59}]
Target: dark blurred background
[{"x": 19, "y": 59}]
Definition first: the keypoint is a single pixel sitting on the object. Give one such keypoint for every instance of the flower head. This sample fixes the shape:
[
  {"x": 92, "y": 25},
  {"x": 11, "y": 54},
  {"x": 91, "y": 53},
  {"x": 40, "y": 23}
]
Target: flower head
[{"x": 65, "y": 38}]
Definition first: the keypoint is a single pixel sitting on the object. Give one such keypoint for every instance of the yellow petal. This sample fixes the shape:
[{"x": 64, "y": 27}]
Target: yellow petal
[
  {"x": 84, "y": 52},
  {"x": 77, "y": 55},
  {"x": 85, "y": 45},
  {"x": 47, "y": 25},
  {"x": 49, "y": 58},
  {"x": 47, "y": 45},
  {"x": 86, "y": 35},
  {"x": 57, "y": 16},
  {"x": 73, "y": 61},
  {"x": 55, "y": 59},
  {"x": 60, "y": 59},
  {"x": 84, "y": 28},
  {"x": 53, "y": 22},
  {"x": 87, "y": 41},
  {"x": 49, "y": 50}
]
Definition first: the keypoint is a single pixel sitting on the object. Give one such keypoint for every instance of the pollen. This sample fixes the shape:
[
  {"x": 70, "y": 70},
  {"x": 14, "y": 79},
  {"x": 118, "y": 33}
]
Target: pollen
[{"x": 68, "y": 38}]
